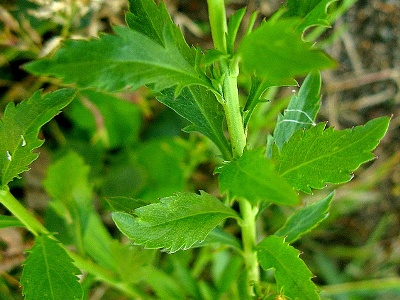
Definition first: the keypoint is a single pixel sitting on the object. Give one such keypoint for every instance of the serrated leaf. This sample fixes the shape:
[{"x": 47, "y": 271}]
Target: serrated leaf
[
  {"x": 176, "y": 222},
  {"x": 147, "y": 18},
  {"x": 152, "y": 20},
  {"x": 291, "y": 273},
  {"x": 275, "y": 51},
  {"x": 253, "y": 177},
  {"x": 10, "y": 221},
  {"x": 305, "y": 219},
  {"x": 301, "y": 111},
  {"x": 126, "y": 59},
  {"x": 49, "y": 273},
  {"x": 314, "y": 157},
  {"x": 311, "y": 12},
  {"x": 200, "y": 107},
  {"x": 19, "y": 129}
]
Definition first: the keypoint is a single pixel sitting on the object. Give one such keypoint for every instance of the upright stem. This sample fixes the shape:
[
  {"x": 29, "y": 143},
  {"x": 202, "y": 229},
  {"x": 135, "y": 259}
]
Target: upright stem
[
  {"x": 232, "y": 109},
  {"x": 249, "y": 241},
  {"x": 217, "y": 16},
  {"x": 234, "y": 119}
]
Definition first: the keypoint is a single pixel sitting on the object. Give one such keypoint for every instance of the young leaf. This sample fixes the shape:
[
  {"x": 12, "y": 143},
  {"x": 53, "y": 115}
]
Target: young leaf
[
  {"x": 301, "y": 111},
  {"x": 305, "y": 219},
  {"x": 19, "y": 129},
  {"x": 275, "y": 51},
  {"x": 253, "y": 177},
  {"x": 177, "y": 222},
  {"x": 312, "y": 12},
  {"x": 49, "y": 273},
  {"x": 233, "y": 27},
  {"x": 127, "y": 59},
  {"x": 317, "y": 156},
  {"x": 200, "y": 107},
  {"x": 291, "y": 273}
]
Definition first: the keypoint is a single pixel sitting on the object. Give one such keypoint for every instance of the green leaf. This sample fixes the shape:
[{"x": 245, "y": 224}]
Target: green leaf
[
  {"x": 291, "y": 273},
  {"x": 200, "y": 107},
  {"x": 112, "y": 120},
  {"x": 305, "y": 219},
  {"x": 10, "y": 221},
  {"x": 301, "y": 111},
  {"x": 49, "y": 273},
  {"x": 19, "y": 129},
  {"x": 233, "y": 27},
  {"x": 314, "y": 157},
  {"x": 253, "y": 177},
  {"x": 220, "y": 237},
  {"x": 97, "y": 241},
  {"x": 176, "y": 222},
  {"x": 127, "y": 258},
  {"x": 311, "y": 12},
  {"x": 148, "y": 18},
  {"x": 275, "y": 51},
  {"x": 127, "y": 59},
  {"x": 152, "y": 21},
  {"x": 126, "y": 204},
  {"x": 67, "y": 180}
]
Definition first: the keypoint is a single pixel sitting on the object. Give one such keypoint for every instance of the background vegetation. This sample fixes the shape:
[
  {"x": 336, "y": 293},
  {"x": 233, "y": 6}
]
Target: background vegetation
[{"x": 358, "y": 243}]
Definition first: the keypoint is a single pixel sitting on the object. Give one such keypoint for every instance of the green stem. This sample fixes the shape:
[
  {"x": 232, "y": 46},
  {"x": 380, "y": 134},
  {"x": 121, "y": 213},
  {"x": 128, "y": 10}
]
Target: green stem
[
  {"x": 36, "y": 228},
  {"x": 21, "y": 213},
  {"x": 232, "y": 109},
  {"x": 217, "y": 16},
  {"x": 234, "y": 119},
  {"x": 249, "y": 240}
]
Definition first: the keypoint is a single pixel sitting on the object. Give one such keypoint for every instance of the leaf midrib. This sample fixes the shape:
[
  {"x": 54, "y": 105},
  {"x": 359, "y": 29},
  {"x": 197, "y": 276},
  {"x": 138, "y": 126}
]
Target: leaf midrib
[{"x": 330, "y": 154}]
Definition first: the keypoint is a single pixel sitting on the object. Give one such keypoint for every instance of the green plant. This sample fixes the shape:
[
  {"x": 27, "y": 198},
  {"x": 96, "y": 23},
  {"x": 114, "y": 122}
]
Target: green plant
[{"x": 202, "y": 87}]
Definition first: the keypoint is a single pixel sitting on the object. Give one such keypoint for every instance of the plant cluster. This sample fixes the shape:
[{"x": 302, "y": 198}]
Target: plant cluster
[{"x": 146, "y": 188}]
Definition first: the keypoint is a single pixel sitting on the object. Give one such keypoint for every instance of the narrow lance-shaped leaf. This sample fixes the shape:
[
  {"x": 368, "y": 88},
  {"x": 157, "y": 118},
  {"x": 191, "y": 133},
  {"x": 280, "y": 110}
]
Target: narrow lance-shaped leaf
[
  {"x": 201, "y": 108},
  {"x": 126, "y": 59},
  {"x": 49, "y": 273},
  {"x": 253, "y": 177},
  {"x": 275, "y": 51},
  {"x": 291, "y": 273},
  {"x": 301, "y": 111},
  {"x": 177, "y": 222},
  {"x": 305, "y": 219},
  {"x": 19, "y": 129},
  {"x": 314, "y": 157}
]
